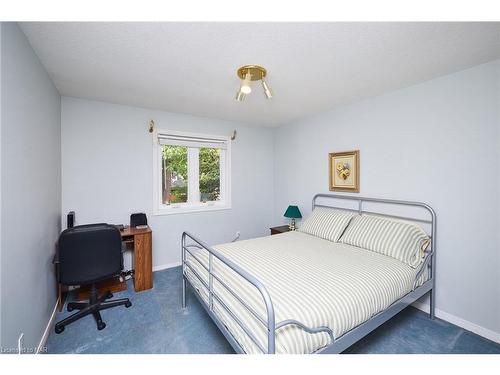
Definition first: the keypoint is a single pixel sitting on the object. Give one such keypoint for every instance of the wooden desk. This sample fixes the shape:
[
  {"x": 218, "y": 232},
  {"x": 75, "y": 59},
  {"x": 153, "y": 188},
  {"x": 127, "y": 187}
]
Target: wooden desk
[{"x": 141, "y": 240}]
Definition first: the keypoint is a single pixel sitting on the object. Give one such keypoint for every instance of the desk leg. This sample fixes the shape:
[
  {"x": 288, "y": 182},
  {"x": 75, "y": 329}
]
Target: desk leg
[
  {"x": 62, "y": 292},
  {"x": 143, "y": 262}
]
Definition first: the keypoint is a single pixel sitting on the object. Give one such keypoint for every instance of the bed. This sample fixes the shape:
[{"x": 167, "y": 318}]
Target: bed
[{"x": 297, "y": 292}]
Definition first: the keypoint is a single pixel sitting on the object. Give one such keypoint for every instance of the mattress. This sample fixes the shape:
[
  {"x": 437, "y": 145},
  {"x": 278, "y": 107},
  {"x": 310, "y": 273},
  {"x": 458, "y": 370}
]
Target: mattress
[{"x": 314, "y": 281}]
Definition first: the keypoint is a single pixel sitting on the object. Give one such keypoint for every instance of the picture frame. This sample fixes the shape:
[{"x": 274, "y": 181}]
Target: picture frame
[{"x": 344, "y": 171}]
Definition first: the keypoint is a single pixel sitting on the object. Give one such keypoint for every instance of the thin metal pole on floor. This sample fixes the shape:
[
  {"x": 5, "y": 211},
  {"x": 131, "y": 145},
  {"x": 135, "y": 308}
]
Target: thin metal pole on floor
[{"x": 183, "y": 256}]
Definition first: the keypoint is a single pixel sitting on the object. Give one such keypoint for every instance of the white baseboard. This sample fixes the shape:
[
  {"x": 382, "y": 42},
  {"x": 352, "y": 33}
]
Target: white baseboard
[
  {"x": 49, "y": 326},
  {"x": 165, "y": 266},
  {"x": 465, "y": 324}
]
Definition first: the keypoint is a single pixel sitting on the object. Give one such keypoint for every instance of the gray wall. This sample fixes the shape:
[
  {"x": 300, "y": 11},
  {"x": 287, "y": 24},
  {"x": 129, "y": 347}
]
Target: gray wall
[
  {"x": 435, "y": 142},
  {"x": 30, "y": 190},
  {"x": 107, "y": 173}
]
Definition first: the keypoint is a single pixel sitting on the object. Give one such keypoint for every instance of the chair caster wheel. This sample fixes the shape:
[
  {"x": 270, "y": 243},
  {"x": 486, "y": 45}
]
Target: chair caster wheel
[
  {"x": 128, "y": 304},
  {"x": 69, "y": 308},
  {"x": 101, "y": 326},
  {"x": 59, "y": 329},
  {"x": 109, "y": 295}
]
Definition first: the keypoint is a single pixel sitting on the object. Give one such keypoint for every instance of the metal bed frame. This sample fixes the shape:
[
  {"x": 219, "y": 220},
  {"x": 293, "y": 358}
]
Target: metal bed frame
[{"x": 337, "y": 345}]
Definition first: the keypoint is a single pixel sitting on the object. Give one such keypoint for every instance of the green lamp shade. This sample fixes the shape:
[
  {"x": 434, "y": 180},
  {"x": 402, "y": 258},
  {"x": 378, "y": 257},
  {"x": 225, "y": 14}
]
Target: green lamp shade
[{"x": 293, "y": 212}]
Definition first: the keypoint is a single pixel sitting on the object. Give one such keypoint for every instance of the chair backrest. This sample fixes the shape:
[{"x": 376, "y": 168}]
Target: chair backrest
[{"x": 89, "y": 253}]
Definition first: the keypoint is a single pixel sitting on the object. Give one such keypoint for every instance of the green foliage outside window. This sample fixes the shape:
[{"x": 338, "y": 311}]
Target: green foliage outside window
[
  {"x": 209, "y": 174},
  {"x": 175, "y": 165}
]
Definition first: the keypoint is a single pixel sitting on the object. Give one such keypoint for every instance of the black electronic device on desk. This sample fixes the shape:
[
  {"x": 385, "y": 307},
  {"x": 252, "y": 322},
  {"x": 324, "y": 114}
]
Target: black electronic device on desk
[
  {"x": 70, "y": 222},
  {"x": 138, "y": 220}
]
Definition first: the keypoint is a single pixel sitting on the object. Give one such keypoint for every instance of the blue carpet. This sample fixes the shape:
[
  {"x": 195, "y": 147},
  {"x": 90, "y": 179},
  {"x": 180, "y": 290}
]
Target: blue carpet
[{"x": 156, "y": 323}]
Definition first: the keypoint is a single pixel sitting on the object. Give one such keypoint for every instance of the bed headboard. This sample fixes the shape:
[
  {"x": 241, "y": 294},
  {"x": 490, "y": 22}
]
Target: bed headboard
[{"x": 426, "y": 214}]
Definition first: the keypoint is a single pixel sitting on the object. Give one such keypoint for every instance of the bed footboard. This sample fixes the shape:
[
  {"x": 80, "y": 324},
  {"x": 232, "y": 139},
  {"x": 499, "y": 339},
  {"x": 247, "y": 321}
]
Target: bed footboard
[{"x": 268, "y": 322}]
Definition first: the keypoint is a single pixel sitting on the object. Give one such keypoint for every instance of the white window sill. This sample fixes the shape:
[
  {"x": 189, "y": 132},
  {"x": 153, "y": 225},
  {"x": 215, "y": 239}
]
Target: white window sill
[{"x": 186, "y": 208}]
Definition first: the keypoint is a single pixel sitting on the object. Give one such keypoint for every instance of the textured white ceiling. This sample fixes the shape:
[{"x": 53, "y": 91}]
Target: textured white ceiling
[{"x": 312, "y": 67}]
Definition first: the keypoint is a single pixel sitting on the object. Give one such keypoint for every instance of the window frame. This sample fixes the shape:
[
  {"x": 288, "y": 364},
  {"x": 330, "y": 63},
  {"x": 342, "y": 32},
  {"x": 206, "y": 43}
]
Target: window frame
[{"x": 188, "y": 207}]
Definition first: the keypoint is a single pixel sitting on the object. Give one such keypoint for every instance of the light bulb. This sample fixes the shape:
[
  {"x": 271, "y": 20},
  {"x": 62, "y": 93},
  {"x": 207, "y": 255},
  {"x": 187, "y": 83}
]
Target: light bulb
[{"x": 245, "y": 84}]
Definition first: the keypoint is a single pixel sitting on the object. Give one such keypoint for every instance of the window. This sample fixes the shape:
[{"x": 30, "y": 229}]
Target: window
[{"x": 191, "y": 172}]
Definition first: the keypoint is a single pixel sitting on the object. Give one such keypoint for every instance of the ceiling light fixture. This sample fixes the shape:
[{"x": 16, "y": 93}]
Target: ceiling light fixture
[{"x": 249, "y": 73}]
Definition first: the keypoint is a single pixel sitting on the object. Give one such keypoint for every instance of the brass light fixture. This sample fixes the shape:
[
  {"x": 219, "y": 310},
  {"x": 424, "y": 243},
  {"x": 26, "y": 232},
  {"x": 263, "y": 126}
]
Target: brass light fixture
[{"x": 249, "y": 73}]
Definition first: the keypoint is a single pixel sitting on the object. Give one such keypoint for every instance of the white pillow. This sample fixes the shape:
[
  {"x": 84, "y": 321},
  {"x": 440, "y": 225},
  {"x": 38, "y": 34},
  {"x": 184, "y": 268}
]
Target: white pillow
[
  {"x": 327, "y": 223},
  {"x": 402, "y": 240}
]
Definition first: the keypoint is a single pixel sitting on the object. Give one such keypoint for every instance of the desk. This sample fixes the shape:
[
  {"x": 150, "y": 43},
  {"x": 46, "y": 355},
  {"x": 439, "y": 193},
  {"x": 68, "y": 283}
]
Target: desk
[{"x": 140, "y": 240}]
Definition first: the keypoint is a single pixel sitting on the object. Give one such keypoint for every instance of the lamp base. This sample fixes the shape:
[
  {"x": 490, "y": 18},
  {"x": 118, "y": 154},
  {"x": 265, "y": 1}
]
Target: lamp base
[{"x": 292, "y": 226}]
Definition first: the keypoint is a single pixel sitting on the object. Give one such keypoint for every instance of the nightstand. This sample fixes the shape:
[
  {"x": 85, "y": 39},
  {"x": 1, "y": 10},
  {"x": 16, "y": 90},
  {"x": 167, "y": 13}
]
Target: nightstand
[{"x": 280, "y": 229}]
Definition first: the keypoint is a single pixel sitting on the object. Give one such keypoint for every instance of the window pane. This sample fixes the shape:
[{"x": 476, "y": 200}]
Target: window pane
[
  {"x": 174, "y": 174},
  {"x": 209, "y": 174}
]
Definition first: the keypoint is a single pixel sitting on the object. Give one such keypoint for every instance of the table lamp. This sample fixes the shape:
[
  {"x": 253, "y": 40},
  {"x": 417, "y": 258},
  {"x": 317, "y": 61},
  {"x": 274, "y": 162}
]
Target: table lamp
[{"x": 293, "y": 212}]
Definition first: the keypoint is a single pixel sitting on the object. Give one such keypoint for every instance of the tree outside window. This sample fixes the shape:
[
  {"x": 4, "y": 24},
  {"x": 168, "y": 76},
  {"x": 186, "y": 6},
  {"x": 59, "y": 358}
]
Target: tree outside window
[{"x": 175, "y": 174}]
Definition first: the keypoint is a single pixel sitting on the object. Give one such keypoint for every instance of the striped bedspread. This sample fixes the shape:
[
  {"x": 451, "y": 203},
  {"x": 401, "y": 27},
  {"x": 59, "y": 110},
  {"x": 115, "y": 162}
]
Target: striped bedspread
[{"x": 312, "y": 280}]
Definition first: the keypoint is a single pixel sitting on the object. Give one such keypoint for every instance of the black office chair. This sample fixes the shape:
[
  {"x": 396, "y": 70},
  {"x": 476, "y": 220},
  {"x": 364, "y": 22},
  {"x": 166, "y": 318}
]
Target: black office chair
[{"x": 86, "y": 255}]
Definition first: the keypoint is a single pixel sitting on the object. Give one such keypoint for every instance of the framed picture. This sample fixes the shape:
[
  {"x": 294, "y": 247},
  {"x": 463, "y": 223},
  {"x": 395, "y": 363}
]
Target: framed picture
[{"x": 344, "y": 171}]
